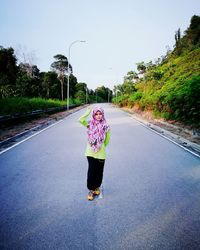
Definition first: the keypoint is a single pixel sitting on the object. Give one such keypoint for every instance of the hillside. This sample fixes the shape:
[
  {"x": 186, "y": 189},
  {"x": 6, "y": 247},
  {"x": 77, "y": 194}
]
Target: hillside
[{"x": 170, "y": 88}]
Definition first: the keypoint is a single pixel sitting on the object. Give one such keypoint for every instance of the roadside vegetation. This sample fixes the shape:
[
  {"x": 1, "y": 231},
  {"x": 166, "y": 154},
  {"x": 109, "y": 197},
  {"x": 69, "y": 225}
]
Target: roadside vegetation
[
  {"x": 170, "y": 86},
  {"x": 14, "y": 105},
  {"x": 24, "y": 88}
]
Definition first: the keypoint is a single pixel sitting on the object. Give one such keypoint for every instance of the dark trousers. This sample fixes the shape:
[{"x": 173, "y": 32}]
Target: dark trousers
[{"x": 95, "y": 173}]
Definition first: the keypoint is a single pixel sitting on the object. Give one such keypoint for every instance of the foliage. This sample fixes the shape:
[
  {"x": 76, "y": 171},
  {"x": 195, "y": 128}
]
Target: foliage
[
  {"x": 26, "y": 80},
  {"x": 183, "y": 99},
  {"x": 170, "y": 87},
  {"x": 134, "y": 98},
  {"x": 50, "y": 85},
  {"x": 61, "y": 66},
  {"x": 15, "y": 105},
  {"x": 24, "y": 88},
  {"x": 103, "y": 94},
  {"x": 8, "y": 71},
  {"x": 141, "y": 67},
  {"x": 80, "y": 94},
  {"x": 131, "y": 76}
]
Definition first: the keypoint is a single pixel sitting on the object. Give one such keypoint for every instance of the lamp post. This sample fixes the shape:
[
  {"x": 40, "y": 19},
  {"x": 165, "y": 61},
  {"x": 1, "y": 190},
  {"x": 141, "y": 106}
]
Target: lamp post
[
  {"x": 116, "y": 94},
  {"x": 69, "y": 72},
  {"x": 85, "y": 94}
]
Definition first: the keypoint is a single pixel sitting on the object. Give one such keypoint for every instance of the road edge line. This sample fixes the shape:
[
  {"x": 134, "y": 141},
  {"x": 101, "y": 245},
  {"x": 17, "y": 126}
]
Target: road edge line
[
  {"x": 36, "y": 133},
  {"x": 164, "y": 136},
  {"x": 18, "y": 143}
]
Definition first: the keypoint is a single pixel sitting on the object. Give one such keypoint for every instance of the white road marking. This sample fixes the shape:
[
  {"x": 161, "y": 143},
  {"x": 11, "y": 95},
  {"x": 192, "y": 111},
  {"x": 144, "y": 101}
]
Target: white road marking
[
  {"x": 186, "y": 149},
  {"x": 18, "y": 143}
]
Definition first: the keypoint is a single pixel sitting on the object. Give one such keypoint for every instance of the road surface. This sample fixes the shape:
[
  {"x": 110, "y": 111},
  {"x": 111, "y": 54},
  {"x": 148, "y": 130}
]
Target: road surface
[{"x": 150, "y": 200}]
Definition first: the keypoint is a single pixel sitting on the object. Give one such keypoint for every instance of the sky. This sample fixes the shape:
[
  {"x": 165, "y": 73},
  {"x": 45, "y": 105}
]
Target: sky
[{"x": 117, "y": 33}]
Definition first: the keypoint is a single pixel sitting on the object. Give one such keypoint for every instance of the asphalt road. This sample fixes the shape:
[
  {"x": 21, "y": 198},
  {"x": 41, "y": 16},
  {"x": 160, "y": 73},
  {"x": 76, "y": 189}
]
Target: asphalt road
[{"x": 151, "y": 191}]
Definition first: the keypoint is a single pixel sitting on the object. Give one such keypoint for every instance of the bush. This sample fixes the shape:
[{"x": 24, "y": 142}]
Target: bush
[
  {"x": 22, "y": 104},
  {"x": 121, "y": 100},
  {"x": 136, "y": 96},
  {"x": 183, "y": 100}
]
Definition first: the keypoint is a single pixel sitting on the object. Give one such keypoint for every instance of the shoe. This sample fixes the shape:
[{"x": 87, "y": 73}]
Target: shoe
[
  {"x": 96, "y": 191},
  {"x": 91, "y": 195}
]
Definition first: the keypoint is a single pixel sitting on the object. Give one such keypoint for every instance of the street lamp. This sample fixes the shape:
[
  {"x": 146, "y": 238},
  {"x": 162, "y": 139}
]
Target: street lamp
[
  {"x": 117, "y": 91},
  {"x": 85, "y": 94},
  {"x": 69, "y": 72}
]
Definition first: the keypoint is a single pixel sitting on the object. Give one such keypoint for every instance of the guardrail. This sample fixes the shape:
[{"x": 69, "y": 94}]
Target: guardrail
[{"x": 18, "y": 116}]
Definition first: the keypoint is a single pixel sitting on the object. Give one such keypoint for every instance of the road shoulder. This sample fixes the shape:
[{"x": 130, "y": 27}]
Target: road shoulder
[
  {"x": 13, "y": 134},
  {"x": 185, "y": 136}
]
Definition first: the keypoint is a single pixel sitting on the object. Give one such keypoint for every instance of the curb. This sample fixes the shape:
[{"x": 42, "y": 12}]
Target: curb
[
  {"x": 5, "y": 144},
  {"x": 190, "y": 146},
  {"x": 10, "y": 118}
]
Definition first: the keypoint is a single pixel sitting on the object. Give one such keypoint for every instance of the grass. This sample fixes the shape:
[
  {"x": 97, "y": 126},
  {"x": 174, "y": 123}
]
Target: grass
[{"x": 14, "y": 105}]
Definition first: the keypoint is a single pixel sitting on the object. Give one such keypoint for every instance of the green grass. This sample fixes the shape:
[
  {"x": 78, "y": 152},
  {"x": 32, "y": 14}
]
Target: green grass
[{"x": 11, "y": 106}]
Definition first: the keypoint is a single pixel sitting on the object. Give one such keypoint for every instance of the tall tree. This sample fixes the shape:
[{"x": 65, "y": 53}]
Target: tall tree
[
  {"x": 193, "y": 32},
  {"x": 61, "y": 67},
  {"x": 8, "y": 71}
]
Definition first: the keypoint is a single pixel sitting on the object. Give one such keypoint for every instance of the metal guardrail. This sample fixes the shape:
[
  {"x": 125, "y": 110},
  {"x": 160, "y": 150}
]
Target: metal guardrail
[{"x": 8, "y": 118}]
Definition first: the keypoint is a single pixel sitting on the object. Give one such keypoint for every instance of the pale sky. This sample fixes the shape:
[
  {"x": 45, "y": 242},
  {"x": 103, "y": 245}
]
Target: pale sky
[{"x": 118, "y": 33}]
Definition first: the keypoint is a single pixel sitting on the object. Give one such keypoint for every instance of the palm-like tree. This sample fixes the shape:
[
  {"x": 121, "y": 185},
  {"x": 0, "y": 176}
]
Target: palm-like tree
[{"x": 61, "y": 66}]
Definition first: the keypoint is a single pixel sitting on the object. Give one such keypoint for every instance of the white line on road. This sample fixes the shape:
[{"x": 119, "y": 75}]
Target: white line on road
[
  {"x": 186, "y": 149},
  {"x": 18, "y": 143}
]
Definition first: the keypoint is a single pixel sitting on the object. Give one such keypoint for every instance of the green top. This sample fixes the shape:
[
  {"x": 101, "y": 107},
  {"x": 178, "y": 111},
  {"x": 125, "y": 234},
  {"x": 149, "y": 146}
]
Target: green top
[{"x": 101, "y": 154}]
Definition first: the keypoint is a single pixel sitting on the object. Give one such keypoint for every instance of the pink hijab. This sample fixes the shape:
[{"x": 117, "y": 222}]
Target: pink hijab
[{"x": 97, "y": 130}]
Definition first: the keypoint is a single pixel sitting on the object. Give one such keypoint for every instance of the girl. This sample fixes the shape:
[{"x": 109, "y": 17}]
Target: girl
[{"x": 98, "y": 135}]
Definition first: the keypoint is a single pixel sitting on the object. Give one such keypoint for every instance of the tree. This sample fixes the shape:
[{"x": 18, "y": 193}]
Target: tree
[
  {"x": 179, "y": 44},
  {"x": 81, "y": 89},
  {"x": 27, "y": 58},
  {"x": 103, "y": 94},
  {"x": 178, "y": 36},
  {"x": 150, "y": 65},
  {"x": 26, "y": 84},
  {"x": 8, "y": 71},
  {"x": 118, "y": 89},
  {"x": 5, "y": 89},
  {"x": 80, "y": 94},
  {"x": 23, "y": 85},
  {"x": 141, "y": 67},
  {"x": 131, "y": 76},
  {"x": 191, "y": 39},
  {"x": 72, "y": 86},
  {"x": 31, "y": 70},
  {"x": 128, "y": 87},
  {"x": 50, "y": 85},
  {"x": 193, "y": 32},
  {"x": 61, "y": 67},
  {"x": 81, "y": 86}
]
